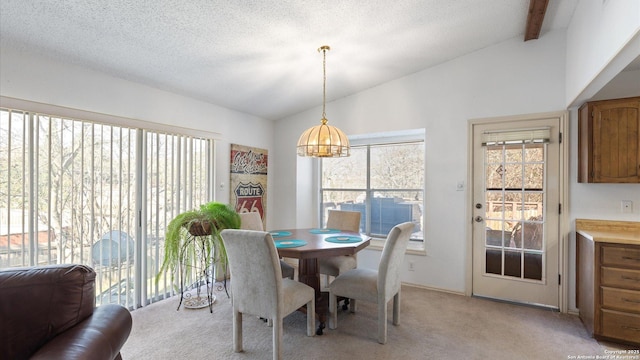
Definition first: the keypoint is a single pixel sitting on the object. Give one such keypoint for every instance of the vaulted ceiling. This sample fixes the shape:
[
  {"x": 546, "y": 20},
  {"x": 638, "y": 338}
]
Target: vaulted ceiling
[{"x": 260, "y": 57}]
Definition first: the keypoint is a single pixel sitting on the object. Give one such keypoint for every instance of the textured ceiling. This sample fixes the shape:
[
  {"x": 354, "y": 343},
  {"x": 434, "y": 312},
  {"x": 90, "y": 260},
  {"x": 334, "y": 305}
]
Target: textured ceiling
[{"x": 259, "y": 56}]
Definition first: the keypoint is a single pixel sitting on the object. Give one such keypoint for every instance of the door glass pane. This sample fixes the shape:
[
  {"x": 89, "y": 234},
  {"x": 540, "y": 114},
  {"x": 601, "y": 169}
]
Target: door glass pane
[
  {"x": 494, "y": 176},
  {"x": 512, "y": 263},
  {"x": 528, "y": 234},
  {"x": 493, "y": 262},
  {"x": 513, "y": 176},
  {"x": 176, "y": 180},
  {"x": 513, "y": 154},
  {"x": 534, "y": 153},
  {"x": 533, "y": 266},
  {"x": 533, "y": 176},
  {"x": 532, "y": 207},
  {"x": 514, "y": 194},
  {"x": 497, "y": 237},
  {"x": 494, "y": 155},
  {"x": 513, "y": 202},
  {"x": 494, "y": 207}
]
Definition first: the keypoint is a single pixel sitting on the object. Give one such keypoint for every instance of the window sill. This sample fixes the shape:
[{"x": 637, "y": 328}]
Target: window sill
[{"x": 414, "y": 247}]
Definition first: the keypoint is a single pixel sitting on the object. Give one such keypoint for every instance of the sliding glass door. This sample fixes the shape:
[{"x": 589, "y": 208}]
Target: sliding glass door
[{"x": 73, "y": 191}]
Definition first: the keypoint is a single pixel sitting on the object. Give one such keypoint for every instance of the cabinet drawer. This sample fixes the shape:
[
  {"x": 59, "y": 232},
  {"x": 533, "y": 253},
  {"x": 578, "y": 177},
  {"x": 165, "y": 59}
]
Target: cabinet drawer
[
  {"x": 621, "y": 256},
  {"x": 620, "y": 299},
  {"x": 621, "y": 325},
  {"x": 622, "y": 278}
]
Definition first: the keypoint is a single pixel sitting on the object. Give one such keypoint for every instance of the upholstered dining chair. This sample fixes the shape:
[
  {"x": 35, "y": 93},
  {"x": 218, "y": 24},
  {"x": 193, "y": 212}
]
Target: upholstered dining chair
[
  {"x": 252, "y": 221},
  {"x": 258, "y": 288},
  {"x": 342, "y": 220},
  {"x": 374, "y": 286}
]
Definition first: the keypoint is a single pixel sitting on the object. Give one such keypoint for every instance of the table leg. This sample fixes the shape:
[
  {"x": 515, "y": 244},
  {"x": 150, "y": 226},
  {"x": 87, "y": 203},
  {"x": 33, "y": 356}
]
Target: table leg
[{"x": 308, "y": 274}]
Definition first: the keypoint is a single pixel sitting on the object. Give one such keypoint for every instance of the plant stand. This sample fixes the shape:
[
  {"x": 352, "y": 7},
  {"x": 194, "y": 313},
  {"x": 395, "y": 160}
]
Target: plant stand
[
  {"x": 194, "y": 251},
  {"x": 198, "y": 301},
  {"x": 197, "y": 260}
]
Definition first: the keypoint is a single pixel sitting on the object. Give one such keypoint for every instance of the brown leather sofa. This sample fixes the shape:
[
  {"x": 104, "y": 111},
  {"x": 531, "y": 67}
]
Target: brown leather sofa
[{"x": 49, "y": 312}]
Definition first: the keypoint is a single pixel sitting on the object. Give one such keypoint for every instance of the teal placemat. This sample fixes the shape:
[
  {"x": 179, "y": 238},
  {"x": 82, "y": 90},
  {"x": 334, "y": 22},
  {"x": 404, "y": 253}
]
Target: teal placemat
[
  {"x": 343, "y": 239},
  {"x": 290, "y": 243},
  {"x": 325, "y": 231},
  {"x": 280, "y": 233}
]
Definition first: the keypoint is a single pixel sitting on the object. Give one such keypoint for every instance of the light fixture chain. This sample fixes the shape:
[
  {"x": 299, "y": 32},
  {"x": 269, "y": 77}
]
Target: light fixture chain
[{"x": 324, "y": 82}]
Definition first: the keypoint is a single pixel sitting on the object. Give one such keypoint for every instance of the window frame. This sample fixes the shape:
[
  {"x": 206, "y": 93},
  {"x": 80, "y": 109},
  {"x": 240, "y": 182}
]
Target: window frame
[{"x": 416, "y": 246}]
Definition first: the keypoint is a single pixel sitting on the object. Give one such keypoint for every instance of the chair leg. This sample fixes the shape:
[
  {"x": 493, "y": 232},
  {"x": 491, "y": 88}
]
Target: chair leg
[
  {"x": 353, "y": 305},
  {"x": 237, "y": 331},
  {"x": 396, "y": 309},
  {"x": 277, "y": 339},
  {"x": 333, "y": 311},
  {"x": 311, "y": 318},
  {"x": 382, "y": 322}
]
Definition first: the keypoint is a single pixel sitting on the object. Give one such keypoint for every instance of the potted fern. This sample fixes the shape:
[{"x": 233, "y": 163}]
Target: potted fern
[{"x": 193, "y": 245}]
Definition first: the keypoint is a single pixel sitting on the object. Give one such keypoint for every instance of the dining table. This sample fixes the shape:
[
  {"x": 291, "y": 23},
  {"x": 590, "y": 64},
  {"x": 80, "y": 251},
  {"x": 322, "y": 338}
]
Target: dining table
[{"x": 308, "y": 245}]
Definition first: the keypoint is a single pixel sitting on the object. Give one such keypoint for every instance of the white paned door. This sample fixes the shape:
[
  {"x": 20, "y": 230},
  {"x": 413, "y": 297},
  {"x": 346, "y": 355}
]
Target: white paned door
[{"x": 516, "y": 211}]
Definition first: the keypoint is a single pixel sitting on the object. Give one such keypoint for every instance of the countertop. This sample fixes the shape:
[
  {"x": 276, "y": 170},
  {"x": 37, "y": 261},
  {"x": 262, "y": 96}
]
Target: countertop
[{"x": 607, "y": 231}]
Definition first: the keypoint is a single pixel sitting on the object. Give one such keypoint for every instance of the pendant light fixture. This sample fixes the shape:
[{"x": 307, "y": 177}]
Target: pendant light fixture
[{"x": 323, "y": 140}]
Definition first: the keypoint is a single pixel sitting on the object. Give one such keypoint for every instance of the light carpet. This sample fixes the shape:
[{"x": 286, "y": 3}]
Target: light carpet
[{"x": 434, "y": 325}]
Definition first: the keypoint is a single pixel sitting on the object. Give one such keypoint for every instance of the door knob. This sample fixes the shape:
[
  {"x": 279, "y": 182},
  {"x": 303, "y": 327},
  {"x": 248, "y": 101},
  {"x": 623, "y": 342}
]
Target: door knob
[{"x": 478, "y": 219}]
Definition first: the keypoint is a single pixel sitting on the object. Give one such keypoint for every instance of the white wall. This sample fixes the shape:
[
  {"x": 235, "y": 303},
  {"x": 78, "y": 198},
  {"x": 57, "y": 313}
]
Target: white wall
[
  {"x": 39, "y": 79},
  {"x": 602, "y": 38},
  {"x": 510, "y": 78}
]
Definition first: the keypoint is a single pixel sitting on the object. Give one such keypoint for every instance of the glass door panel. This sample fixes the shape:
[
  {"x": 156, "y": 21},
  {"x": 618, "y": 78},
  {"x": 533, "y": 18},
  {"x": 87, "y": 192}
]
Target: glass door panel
[{"x": 514, "y": 197}]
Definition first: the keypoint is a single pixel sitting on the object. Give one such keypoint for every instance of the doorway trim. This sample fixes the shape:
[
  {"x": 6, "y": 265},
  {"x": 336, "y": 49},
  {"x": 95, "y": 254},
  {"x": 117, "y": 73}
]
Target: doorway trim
[{"x": 563, "y": 222}]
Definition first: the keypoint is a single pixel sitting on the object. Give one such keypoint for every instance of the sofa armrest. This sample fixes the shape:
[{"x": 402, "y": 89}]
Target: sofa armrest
[{"x": 101, "y": 336}]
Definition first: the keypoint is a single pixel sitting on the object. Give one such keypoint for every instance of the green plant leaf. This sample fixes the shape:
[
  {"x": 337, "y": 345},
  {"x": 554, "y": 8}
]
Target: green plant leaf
[{"x": 184, "y": 251}]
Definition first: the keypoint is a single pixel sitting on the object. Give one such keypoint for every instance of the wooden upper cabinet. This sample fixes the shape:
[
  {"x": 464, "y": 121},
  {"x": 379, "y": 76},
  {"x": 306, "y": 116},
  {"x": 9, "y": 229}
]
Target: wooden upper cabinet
[{"x": 609, "y": 141}]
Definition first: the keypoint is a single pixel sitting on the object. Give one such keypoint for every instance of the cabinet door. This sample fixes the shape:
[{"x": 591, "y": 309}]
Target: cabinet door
[{"x": 616, "y": 141}]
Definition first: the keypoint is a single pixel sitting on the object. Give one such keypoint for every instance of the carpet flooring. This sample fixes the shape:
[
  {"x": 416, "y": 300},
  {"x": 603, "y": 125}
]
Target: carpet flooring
[{"x": 434, "y": 325}]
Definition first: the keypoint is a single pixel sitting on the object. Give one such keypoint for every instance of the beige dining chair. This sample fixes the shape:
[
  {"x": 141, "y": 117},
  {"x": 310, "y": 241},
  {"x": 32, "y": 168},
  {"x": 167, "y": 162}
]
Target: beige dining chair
[
  {"x": 342, "y": 220},
  {"x": 374, "y": 286},
  {"x": 252, "y": 221},
  {"x": 258, "y": 288}
]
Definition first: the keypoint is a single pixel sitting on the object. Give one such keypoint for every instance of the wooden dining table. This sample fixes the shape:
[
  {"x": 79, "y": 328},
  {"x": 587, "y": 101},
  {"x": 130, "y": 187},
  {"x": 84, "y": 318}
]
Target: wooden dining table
[{"x": 319, "y": 243}]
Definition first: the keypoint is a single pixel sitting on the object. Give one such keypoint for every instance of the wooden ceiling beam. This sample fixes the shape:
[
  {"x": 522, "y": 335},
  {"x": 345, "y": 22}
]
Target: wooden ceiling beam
[{"x": 537, "y": 9}]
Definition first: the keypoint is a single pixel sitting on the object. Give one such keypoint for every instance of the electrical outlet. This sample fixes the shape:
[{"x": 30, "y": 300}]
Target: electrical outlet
[
  {"x": 627, "y": 206},
  {"x": 411, "y": 266}
]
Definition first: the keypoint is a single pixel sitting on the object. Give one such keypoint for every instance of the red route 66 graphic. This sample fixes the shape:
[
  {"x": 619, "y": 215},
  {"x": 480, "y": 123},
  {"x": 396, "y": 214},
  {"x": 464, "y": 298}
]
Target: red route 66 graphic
[{"x": 249, "y": 198}]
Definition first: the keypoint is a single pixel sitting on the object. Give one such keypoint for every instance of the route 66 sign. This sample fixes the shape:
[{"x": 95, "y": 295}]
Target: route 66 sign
[
  {"x": 249, "y": 198},
  {"x": 248, "y": 185}
]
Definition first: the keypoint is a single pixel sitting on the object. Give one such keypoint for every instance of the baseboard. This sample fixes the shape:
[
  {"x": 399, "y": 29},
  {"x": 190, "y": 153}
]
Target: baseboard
[
  {"x": 434, "y": 289},
  {"x": 573, "y": 312}
]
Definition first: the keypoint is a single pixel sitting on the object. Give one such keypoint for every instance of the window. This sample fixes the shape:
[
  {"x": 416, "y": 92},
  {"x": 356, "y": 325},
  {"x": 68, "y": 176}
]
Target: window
[
  {"x": 74, "y": 191},
  {"x": 383, "y": 179}
]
